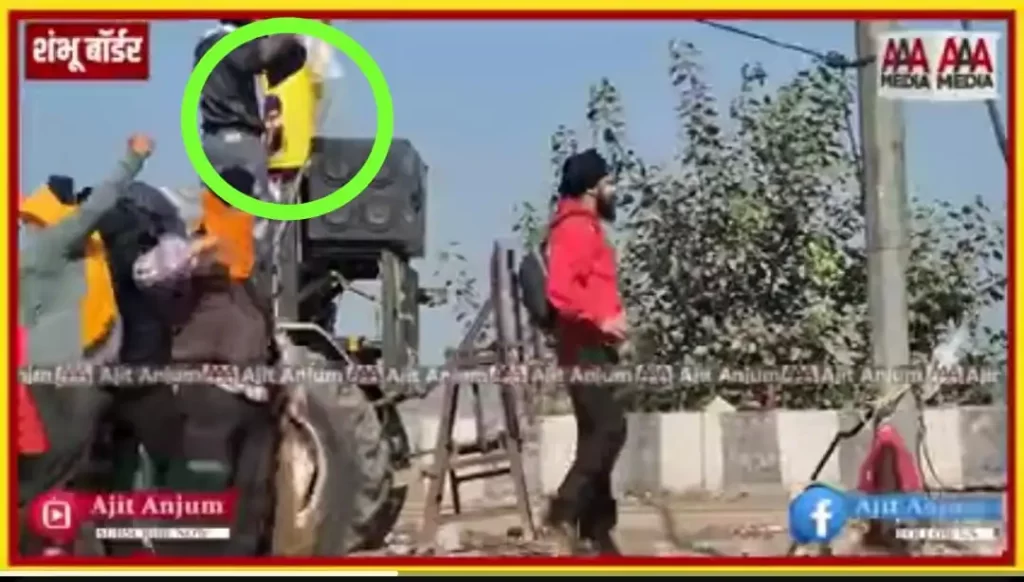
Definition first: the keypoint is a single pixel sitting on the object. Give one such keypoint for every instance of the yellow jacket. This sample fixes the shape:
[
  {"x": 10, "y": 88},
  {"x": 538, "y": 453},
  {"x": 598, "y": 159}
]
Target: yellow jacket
[
  {"x": 300, "y": 96},
  {"x": 98, "y": 305}
]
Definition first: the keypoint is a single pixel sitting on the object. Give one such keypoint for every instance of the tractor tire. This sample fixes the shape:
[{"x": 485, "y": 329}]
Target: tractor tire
[
  {"x": 382, "y": 448},
  {"x": 376, "y": 446},
  {"x": 314, "y": 516}
]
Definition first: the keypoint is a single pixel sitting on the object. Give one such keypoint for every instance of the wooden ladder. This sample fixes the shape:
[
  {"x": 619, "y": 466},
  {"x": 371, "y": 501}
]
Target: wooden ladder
[{"x": 458, "y": 463}]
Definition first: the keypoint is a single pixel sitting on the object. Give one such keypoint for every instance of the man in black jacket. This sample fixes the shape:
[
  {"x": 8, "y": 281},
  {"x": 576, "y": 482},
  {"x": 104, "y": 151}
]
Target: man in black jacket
[
  {"x": 232, "y": 121},
  {"x": 132, "y": 229},
  {"x": 146, "y": 415}
]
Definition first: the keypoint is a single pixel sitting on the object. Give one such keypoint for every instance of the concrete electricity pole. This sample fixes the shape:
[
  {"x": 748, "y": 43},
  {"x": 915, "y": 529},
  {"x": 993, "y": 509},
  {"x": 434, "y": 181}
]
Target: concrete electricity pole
[{"x": 887, "y": 215}]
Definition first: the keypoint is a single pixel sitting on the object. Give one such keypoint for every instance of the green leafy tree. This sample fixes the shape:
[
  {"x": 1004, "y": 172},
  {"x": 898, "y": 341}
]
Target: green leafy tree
[{"x": 746, "y": 247}]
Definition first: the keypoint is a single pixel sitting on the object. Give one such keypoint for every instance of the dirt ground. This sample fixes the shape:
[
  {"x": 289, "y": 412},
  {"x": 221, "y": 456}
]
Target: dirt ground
[{"x": 733, "y": 525}]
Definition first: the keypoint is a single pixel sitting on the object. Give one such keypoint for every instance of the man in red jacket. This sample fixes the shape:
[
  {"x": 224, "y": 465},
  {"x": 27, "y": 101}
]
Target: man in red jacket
[{"x": 583, "y": 290}]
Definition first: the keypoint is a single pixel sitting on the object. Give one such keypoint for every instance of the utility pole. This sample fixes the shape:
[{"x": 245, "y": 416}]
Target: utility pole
[{"x": 882, "y": 133}]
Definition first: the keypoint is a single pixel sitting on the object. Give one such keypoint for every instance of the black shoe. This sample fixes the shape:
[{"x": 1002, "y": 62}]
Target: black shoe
[
  {"x": 604, "y": 545},
  {"x": 596, "y": 529}
]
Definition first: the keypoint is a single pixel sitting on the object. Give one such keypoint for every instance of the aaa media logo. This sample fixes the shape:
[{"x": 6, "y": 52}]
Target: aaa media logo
[
  {"x": 938, "y": 65},
  {"x": 87, "y": 51},
  {"x": 56, "y": 516}
]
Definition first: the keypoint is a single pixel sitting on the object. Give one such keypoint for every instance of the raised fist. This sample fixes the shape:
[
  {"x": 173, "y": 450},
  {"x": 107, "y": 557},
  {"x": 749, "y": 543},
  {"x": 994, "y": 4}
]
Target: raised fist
[{"x": 140, "y": 144}]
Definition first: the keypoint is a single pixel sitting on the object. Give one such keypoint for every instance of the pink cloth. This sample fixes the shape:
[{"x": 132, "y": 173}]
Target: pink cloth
[
  {"x": 169, "y": 262},
  {"x": 888, "y": 437}
]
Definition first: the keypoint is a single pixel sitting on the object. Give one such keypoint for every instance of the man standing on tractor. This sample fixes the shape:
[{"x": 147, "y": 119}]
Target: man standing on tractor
[
  {"x": 232, "y": 123},
  {"x": 230, "y": 107}
]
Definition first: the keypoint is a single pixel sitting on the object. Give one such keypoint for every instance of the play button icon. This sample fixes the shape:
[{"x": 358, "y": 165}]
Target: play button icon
[
  {"x": 54, "y": 516},
  {"x": 57, "y": 515}
]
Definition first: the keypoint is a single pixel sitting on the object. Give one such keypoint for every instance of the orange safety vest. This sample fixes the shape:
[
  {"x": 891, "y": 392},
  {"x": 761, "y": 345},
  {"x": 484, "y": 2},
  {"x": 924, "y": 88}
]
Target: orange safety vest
[
  {"x": 233, "y": 231},
  {"x": 99, "y": 306}
]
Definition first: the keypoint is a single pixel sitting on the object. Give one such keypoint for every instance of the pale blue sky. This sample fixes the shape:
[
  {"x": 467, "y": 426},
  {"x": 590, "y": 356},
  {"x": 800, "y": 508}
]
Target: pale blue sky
[{"x": 480, "y": 100}]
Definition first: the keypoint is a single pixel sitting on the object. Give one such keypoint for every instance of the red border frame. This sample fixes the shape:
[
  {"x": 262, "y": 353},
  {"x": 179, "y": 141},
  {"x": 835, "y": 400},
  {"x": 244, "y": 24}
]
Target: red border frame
[{"x": 1007, "y": 559}]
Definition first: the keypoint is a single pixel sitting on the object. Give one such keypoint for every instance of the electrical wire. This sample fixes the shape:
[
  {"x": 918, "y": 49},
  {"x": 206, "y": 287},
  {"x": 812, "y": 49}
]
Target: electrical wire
[
  {"x": 833, "y": 59},
  {"x": 994, "y": 119},
  {"x": 830, "y": 59},
  {"x": 837, "y": 60}
]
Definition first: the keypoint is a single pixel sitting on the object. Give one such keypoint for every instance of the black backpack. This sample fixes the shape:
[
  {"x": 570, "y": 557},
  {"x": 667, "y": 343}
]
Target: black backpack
[{"x": 533, "y": 283}]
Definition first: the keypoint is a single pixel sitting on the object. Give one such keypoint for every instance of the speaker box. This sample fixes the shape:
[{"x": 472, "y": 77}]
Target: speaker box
[{"x": 390, "y": 213}]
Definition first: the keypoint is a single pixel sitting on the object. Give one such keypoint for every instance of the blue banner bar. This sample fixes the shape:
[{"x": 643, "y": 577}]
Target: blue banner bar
[{"x": 916, "y": 506}]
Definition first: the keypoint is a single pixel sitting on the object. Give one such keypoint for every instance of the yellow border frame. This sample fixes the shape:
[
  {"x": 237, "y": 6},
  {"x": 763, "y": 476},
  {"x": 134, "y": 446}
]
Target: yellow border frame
[{"x": 476, "y": 5}]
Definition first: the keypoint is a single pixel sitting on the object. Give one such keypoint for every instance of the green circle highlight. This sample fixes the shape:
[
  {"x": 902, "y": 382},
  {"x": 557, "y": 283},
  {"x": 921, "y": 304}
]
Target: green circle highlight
[{"x": 274, "y": 210}]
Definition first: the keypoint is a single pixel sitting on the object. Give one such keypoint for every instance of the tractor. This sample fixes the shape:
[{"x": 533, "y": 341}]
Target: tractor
[
  {"x": 342, "y": 445},
  {"x": 349, "y": 445}
]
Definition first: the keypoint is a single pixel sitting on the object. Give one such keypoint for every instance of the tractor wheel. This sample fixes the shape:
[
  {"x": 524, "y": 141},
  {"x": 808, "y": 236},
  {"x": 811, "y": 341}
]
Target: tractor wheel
[
  {"x": 377, "y": 445},
  {"x": 316, "y": 498},
  {"x": 382, "y": 449}
]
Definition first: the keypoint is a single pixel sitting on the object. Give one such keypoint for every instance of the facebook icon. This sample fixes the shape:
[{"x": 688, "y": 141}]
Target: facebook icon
[{"x": 817, "y": 515}]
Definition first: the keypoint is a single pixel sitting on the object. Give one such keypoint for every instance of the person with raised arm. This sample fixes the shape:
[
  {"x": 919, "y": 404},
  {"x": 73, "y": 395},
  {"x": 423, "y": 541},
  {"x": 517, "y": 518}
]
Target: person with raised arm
[{"x": 68, "y": 313}]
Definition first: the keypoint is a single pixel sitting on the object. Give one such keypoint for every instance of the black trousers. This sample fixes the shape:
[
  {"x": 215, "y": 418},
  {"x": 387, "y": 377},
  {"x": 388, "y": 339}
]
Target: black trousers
[
  {"x": 229, "y": 443},
  {"x": 584, "y": 499},
  {"x": 145, "y": 415}
]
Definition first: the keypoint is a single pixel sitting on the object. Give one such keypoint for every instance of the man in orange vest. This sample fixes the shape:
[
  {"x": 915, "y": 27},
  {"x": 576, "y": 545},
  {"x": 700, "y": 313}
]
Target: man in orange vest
[
  {"x": 232, "y": 123},
  {"x": 228, "y": 316},
  {"x": 219, "y": 318}
]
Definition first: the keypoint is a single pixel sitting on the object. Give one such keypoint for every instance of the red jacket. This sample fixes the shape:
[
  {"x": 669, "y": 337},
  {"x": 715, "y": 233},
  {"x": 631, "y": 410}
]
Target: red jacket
[
  {"x": 582, "y": 283},
  {"x": 31, "y": 436}
]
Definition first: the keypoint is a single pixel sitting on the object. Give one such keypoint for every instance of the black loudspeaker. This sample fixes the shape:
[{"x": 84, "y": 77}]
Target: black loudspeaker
[{"x": 391, "y": 213}]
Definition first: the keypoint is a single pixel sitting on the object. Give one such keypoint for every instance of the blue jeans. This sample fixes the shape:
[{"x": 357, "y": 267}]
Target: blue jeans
[{"x": 240, "y": 158}]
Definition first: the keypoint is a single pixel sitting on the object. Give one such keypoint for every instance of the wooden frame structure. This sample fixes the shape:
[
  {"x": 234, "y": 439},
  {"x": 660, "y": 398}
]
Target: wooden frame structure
[{"x": 454, "y": 462}]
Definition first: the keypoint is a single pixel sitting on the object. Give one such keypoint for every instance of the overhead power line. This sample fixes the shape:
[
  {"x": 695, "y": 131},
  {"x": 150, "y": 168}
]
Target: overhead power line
[
  {"x": 834, "y": 59},
  {"x": 837, "y": 60},
  {"x": 831, "y": 59},
  {"x": 994, "y": 119}
]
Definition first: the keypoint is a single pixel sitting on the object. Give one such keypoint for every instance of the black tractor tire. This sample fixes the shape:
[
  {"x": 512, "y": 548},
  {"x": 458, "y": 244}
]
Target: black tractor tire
[
  {"x": 331, "y": 496},
  {"x": 382, "y": 450},
  {"x": 376, "y": 447}
]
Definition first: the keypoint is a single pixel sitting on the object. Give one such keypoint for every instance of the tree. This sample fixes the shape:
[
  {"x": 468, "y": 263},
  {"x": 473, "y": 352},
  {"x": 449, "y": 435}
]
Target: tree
[
  {"x": 746, "y": 248},
  {"x": 460, "y": 289}
]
